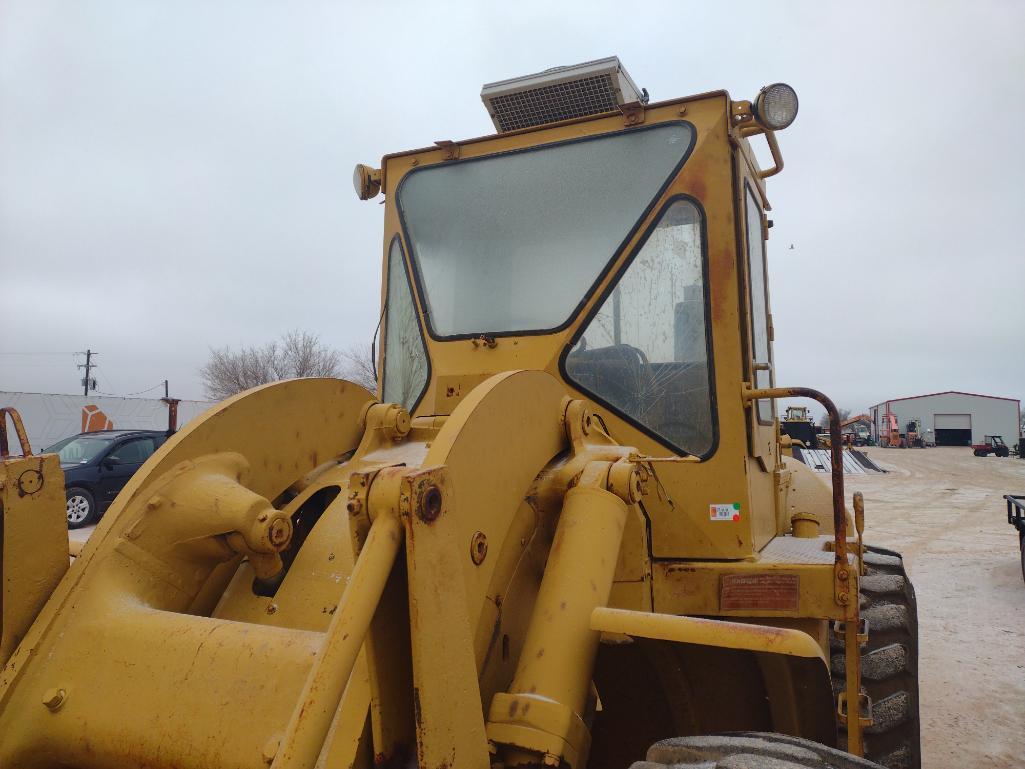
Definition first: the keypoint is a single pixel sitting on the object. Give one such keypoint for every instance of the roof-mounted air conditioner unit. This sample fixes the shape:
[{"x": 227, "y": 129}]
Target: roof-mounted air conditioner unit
[{"x": 562, "y": 93}]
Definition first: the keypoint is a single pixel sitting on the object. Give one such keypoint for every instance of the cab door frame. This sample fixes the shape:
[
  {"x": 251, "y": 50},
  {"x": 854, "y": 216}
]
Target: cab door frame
[{"x": 762, "y": 417}]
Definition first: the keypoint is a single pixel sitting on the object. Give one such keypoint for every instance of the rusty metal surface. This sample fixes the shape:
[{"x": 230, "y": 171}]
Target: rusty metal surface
[
  {"x": 845, "y": 578},
  {"x": 19, "y": 429},
  {"x": 172, "y": 413},
  {"x": 33, "y": 542},
  {"x": 836, "y": 454}
]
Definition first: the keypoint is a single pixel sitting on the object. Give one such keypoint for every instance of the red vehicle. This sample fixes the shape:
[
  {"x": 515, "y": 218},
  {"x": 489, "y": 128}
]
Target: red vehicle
[{"x": 994, "y": 444}]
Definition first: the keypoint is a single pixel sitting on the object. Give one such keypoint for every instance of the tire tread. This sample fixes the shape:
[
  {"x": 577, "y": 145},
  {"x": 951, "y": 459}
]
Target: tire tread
[
  {"x": 748, "y": 750},
  {"x": 889, "y": 662}
]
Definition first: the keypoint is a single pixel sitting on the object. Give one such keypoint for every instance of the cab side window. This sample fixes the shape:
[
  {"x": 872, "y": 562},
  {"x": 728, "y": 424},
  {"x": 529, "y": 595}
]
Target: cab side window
[
  {"x": 759, "y": 303},
  {"x": 645, "y": 352},
  {"x": 405, "y": 355}
]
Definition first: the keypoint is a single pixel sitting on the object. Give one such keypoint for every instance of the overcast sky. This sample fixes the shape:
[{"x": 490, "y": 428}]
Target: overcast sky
[{"x": 176, "y": 175}]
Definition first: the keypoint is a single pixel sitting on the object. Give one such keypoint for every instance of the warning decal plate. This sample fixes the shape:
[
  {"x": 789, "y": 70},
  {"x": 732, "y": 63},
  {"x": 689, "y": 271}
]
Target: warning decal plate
[
  {"x": 776, "y": 592},
  {"x": 727, "y": 512}
]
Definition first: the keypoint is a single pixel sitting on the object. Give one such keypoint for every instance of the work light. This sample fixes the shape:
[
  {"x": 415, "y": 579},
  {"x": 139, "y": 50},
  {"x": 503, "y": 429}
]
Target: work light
[
  {"x": 775, "y": 107},
  {"x": 366, "y": 181}
]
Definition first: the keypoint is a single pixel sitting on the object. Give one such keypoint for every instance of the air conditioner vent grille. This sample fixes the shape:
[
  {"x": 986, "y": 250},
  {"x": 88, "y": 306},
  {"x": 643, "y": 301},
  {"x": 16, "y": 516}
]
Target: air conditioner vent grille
[{"x": 552, "y": 103}]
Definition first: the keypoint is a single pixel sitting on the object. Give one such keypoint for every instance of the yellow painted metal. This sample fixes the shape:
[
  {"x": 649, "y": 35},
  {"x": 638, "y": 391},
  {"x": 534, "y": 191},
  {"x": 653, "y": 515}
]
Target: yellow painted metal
[
  {"x": 33, "y": 542},
  {"x": 707, "y": 632},
  {"x": 859, "y": 526},
  {"x": 322, "y": 693},
  {"x": 807, "y": 491},
  {"x": 525, "y": 408},
  {"x": 144, "y": 565},
  {"x": 683, "y": 531},
  {"x": 447, "y": 696},
  {"x": 586, "y": 543},
  {"x": 543, "y": 712},
  {"x": 487, "y": 490},
  {"x": 805, "y": 525},
  {"x": 349, "y": 741},
  {"x": 251, "y": 573},
  {"x": 695, "y": 587}
]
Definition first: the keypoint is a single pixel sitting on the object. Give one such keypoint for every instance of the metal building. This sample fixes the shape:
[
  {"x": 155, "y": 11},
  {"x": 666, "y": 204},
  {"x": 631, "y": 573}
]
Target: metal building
[{"x": 951, "y": 418}]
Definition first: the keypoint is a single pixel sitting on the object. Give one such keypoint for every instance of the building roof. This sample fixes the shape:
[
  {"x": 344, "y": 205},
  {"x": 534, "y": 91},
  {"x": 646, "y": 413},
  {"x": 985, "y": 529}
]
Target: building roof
[{"x": 949, "y": 392}]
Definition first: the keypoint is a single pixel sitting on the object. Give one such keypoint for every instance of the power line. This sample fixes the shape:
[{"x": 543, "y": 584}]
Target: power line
[
  {"x": 42, "y": 365},
  {"x": 67, "y": 352},
  {"x": 109, "y": 382},
  {"x": 129, "y": 395}
]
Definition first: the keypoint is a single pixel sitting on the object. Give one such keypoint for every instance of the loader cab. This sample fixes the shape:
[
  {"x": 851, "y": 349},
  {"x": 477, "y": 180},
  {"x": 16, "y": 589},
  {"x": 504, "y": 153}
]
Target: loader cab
[{"x": 621, "y": 251}]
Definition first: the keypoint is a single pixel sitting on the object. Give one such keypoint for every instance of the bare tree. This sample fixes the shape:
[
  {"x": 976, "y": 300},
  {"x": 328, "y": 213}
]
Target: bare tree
[
  {"x": 300, "y": 354},
  {"x": 824, "y": 419},
  {"x": 296, "y": 354},
  {"x": 358, "y": 366}
]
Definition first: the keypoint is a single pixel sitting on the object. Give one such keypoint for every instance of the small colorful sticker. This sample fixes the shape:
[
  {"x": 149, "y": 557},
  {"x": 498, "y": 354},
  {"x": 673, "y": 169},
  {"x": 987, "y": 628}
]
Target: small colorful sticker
[{"x": 728, "y": 512}]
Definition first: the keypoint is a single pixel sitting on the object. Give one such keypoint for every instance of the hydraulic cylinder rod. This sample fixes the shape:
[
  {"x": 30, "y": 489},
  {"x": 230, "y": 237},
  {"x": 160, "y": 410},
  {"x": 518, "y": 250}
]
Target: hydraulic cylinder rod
[
  {"x": 543, "y": 711},
  {"x": 558, "y": 653}
]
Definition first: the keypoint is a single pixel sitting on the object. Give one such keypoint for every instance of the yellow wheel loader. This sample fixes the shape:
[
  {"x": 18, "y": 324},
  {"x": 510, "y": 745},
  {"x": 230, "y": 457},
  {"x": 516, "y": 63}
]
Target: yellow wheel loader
[{"x": 561, "y": 534}]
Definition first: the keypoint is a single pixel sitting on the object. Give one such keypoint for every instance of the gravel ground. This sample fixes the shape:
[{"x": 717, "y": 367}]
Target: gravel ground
[
  {"x": 943, "y": 509},
  {"x": 80, "y": 535}
]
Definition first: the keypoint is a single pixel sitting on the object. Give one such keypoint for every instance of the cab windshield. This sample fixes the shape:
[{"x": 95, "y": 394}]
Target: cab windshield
[{"x": 514, "y": 243}]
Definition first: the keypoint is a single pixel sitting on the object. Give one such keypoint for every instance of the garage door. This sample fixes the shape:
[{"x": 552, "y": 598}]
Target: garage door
[
  {"x": 953, "y": 429},
  {"x": 953, "y": 422}
]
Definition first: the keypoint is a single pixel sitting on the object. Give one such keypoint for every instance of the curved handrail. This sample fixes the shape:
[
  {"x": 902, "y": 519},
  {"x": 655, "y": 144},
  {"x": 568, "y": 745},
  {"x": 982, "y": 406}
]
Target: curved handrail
[{"x": 19, "y": 429}]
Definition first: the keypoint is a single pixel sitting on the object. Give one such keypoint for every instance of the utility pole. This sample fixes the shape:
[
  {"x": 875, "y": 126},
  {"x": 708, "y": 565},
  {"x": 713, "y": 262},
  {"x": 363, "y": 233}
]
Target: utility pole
[{"x": 87, "y": 366}]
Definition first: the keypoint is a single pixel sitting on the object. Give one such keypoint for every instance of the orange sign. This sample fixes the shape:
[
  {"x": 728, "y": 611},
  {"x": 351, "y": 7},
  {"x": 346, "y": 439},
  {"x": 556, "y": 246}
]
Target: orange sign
[{"x": 93, "y": 420}]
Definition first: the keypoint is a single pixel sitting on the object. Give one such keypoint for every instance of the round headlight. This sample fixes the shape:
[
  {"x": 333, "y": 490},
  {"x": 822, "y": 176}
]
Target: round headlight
[
  {"x": 367, "y": 181},
  {"x": 776, "y": 106}
]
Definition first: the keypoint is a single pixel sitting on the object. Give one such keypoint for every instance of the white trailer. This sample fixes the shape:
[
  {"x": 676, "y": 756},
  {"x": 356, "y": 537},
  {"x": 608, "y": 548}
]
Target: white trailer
[{"x": 49, "y": 418}]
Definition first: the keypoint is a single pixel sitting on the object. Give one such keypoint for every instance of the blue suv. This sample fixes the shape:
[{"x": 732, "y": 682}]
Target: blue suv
[{"x": 98, "y": 465}]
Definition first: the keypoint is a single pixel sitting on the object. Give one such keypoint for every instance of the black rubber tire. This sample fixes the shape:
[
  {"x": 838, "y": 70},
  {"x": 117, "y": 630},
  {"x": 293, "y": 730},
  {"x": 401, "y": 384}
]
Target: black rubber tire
[
  {"x": 748, "y": 750},
  {"x": 889, "y": 662},
  {"x": 86, "y": 505},
  {"x": 979, "y": 453}
]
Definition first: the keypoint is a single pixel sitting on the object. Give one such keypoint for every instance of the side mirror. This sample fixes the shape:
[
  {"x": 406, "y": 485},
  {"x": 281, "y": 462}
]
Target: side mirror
[{"x": 110, "y": 462}]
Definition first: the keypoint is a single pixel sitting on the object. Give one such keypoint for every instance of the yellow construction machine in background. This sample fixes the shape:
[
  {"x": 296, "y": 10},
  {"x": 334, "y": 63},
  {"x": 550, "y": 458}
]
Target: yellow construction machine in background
[{"x": 562, "y": 534}]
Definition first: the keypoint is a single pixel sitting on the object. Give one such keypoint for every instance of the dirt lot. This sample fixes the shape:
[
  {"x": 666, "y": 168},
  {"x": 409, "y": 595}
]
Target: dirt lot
[
  {"x": 80, "y": 535},
  {"x": 943, "y": 509}
]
